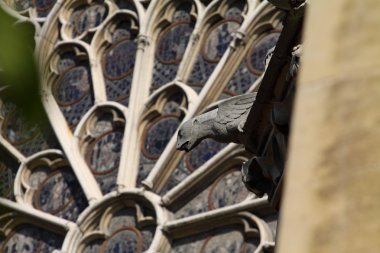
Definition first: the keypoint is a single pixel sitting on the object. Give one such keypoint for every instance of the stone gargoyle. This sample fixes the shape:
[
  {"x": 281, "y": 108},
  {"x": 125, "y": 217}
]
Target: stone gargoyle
[{"x": 223, "y": 124}]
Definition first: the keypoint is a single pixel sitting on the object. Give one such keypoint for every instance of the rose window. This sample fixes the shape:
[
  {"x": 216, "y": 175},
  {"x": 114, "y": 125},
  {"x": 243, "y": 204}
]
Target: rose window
[{"x": 117, "y": 80}]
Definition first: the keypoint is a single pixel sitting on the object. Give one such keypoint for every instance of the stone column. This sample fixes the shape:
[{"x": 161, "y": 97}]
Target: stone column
[{"x": 331, "y": 198}]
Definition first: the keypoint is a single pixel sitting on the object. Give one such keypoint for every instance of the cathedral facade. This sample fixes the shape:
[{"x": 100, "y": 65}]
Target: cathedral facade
[{"x": 118, "y": 77}]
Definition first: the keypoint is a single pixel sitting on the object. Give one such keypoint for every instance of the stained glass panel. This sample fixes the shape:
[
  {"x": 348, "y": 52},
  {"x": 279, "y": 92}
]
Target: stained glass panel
[
  {"x": 157, "y": 136},
  {"x": 87, "y": 17},
  {"x": 227, "y": 189},
  {"x": 214, "y": 46},
  {"x": 29, "y": 238},
  {"x": 127, "y": 233},
  {"x": 259, "y": 52},
  {"x": 73, "y": 90},
  {"x": 21, "y": 5},
  {"x": 58, "y": 192},
  {"x": 43, "y": 7},
  {"x": 159, "y": 131},
  {"x": 171, "y": 46},
  {"x": 192, "y": 161},
  {"x": 26, "y": 136},
  {"x": 8, "y": 170},
  {"x": 223, "y": 240},
  {"x": 103, "y": 151},
  {"x": 219, "y": 39},
  {"x": 119, "y": 61}
]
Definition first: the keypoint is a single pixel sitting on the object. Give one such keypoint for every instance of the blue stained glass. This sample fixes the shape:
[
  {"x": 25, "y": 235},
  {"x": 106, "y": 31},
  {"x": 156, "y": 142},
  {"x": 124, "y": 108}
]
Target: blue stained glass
[
  {"x": 60, "y": 194},
  {"x": 125, "y": 4},
  {"x": 21, "y": 5},
  {"x": 120, "y": 59},
  {"x": 104, "y": 154},
  {"x": 27, "y": 238},
  {"x": 169, "y": 52},
  {"x": 200, "y": 73},
  {"x": 119, "y": 90},
  {"x": 172, "y": 42},
  {"x": 88, "y": 17},
  {"x": 192, "y": 161},
  {"x": 26, "y": 137},
  {"x": 8, "y": 170},
  {"x": 231, "y": 240},
  {"x": 17, "y": 129},
  {"x": 126, "y": 233},
  {"x": 73, "y": 86},
  {"x": 43, "y": 5},
  {"x": 93, "y": 246},
  {"x": 214, "y": 46},
  {"x": 73, "y": 91},
  {"x": 183, "y": 12},
  {"x": 235, "y": 12},
  {"x": 127, "y": 240},
  {"x": 241, "y": 81},
  {"x": 173, "y": 105},
  {"x": 256, "y": 60},
  {"x": 67, "y": 61},
  {"x": 163, "y": 74},
  {"x": 219, "y": 39},
  {"x": 158, "y": 136},
  {"x": 228, "y": 189},
  {"x": 75, "y": 112},
  {"x": 202, "y": 153}
]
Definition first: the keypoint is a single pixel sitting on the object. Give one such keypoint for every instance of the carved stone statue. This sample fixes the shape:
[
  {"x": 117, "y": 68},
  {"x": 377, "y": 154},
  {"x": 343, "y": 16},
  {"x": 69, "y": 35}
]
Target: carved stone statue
[
  {"x": 260, "y": 121},
  {"x": 223, "y": 124}
]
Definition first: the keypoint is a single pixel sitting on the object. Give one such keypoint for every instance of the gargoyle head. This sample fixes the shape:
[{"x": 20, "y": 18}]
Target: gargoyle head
[{"x": 187, "y": 135}]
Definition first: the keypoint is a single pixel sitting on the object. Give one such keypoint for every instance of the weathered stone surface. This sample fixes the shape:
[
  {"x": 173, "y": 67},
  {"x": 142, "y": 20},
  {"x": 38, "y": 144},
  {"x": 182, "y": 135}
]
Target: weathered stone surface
[
  {"x": 223, "y": 124},
  {"x": 332, "y": 190}
]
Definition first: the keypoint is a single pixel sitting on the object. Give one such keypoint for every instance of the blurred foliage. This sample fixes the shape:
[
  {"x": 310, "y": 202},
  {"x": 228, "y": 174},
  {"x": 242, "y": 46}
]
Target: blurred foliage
[{"x": 19, "y": 78}]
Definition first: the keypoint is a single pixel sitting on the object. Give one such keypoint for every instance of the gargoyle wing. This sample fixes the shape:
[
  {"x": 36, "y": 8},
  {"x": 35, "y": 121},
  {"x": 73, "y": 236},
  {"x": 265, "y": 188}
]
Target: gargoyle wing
[{"x": 233, "y": 112}]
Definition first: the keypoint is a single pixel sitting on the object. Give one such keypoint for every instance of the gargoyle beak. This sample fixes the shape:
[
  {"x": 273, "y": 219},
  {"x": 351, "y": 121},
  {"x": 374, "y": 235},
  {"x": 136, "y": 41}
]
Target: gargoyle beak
[{"x": 184, "y": 146}]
